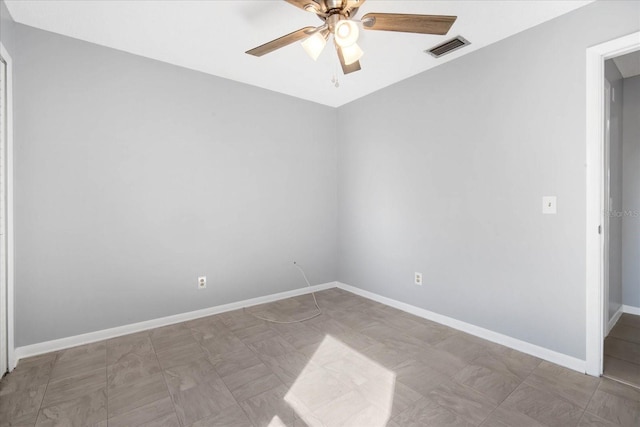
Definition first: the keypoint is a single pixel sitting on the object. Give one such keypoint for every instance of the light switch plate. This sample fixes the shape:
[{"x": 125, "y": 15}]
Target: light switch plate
[{"x": 549, "y": 205}]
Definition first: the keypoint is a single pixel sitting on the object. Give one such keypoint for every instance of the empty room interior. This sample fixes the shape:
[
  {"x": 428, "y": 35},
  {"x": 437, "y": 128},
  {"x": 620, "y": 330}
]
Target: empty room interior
[{"x": 320, "y": 213}]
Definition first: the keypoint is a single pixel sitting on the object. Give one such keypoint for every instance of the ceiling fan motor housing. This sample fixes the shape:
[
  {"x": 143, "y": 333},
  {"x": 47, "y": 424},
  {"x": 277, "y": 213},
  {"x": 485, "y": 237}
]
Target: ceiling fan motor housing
[
  {"x": 326, "y": 8},
  {"x": 333, "y": 4}
]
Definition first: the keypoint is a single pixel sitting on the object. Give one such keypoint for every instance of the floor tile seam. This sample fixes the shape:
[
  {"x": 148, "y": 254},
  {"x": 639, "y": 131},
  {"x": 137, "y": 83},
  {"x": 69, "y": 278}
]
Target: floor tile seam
[
  {"x": 408, "y": 407},
  {"x": 521, "y": 413},
  {"x": 309, "y": 361},
  {"x": 41, "y": 408},
  {"x": 55, "y": 362},
  {"x": 163, "y": 379},
  {"x": 534, "y": 369},
  {"x": 310, "y": 415},
  {"x": 188, "y": 331},
  {"x": 20, "y": 376},
  {"x": 450, "y": 411},
  {"x": 508, "y": 372},
  {"x": 174, "y": 405},
  {"x": 193, "y": 333},
  {"x": 623, "y": 360},
  {"x": 202, "y": 348},
  {"x": 77, "y": 374},
  {"x": 257, "y": 355},
  {"x": 484, "y": 396},
  {"x": 622, "y": 339},
  {"x": 620, "y": 381},
  {"x": 584, "y": 410},
  {"x": 239, "y": 403},
  {"x": 602, "y": 418},
  {"x": 92, "y": 390},
  {"x": 493, "y": 410},
  {"x": 271, "y": 372},
  {"x": 106, "y": 391},
  {"x": 554, "y": 393},
  {"x": 138, "y": 356},
  {"x": 617, "y": 382},
  {"x": 590, "y": 398},
  {"x": 247, "y": 414},
  {"x": 336, "y": 377},
  {"x": 43, "y": 395},
  {"x": 513, "y": 376},
  {"x": 437, "y": 370}
]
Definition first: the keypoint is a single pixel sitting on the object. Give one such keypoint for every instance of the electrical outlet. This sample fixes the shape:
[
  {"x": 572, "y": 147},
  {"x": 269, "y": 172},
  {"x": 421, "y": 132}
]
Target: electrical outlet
[
  {"x": 202, "y": 282},
  {"x": 417, "y": 279}
]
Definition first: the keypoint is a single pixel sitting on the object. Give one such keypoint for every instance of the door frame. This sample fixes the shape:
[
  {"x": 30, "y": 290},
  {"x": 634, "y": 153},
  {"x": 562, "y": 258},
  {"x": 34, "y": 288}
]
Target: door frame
[
  {"x": 606, "y": 197},
  {"x": 11, "y": 358},
  {"x": 595, "y": 203}
]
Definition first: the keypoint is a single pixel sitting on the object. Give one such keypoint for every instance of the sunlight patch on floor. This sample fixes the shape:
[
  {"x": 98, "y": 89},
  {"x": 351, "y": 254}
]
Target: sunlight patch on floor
[
  {"x": 276, "y": 422},
  {"x": 340, "y": 386}
]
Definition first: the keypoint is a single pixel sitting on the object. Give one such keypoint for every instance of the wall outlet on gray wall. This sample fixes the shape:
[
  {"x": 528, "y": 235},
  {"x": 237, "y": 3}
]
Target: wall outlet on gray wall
[
  {"x": 202, "y": 282},
  {"x": 417, "y": 279}
]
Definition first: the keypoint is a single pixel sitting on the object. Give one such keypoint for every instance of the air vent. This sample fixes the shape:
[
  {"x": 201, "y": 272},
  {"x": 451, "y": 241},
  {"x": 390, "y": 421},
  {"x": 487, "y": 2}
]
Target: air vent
[{"x": 447, "y": 47}]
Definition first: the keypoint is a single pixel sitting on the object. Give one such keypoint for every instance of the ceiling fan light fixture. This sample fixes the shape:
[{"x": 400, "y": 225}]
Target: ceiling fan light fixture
[
  {"x": 346, "y": 32},
  {"x": 337, "y": 17},
  {"x": 351, "y": 53},
  {"x": 315, "y": 43}
]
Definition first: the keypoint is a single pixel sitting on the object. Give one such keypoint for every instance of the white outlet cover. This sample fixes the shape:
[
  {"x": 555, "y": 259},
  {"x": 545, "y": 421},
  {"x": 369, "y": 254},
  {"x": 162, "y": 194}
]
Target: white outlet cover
[
  {"x": 202, "y": 282},
  {"x": 417, "y": 278},
  {"x": 549, "y": 205}
]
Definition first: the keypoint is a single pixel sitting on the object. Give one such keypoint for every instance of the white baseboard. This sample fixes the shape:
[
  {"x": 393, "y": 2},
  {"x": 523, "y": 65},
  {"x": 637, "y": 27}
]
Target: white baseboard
[
  {"x": 68, "y": 342},
  {"x": 614, "y": 319},
  {"x": 631, "y": 309},
  {"x": 516, "y": 344},
  {"x": 523, "y": 346}
]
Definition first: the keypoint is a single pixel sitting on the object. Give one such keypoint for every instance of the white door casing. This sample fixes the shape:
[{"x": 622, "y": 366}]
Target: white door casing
[
  {"x": 606, "y": 195},
  {"x": 3, "y": 223},
  {"x": 6, "y": 217},
  {"x": 596, "y": 204}
]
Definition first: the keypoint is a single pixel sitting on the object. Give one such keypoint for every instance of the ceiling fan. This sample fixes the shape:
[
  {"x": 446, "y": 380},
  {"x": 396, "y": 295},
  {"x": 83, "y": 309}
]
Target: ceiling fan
[{"x": 338, "y": 17}]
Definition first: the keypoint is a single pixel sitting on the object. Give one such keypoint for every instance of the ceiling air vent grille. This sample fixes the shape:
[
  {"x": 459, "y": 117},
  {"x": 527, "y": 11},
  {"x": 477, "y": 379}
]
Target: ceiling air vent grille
[{"x": 447, "y": 47}]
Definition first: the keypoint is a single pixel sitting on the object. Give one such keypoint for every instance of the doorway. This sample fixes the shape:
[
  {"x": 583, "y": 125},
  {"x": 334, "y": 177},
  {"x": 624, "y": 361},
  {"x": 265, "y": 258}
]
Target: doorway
[
  {"x": 604, "y": 200},
  {"x": 621, "y": 359}
]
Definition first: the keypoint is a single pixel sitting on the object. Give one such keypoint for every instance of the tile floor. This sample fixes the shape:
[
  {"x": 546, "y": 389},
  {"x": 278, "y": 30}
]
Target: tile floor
[
  {"x": 622, "y": 351},
  {"x": 358, "y": 364}
]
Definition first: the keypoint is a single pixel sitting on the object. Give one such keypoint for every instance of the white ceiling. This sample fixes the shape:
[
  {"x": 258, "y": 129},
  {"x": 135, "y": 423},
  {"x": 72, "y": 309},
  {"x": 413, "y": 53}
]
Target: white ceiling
[
  {"x": 629, "y": 64},
  {"x": 212, "y": 36}
]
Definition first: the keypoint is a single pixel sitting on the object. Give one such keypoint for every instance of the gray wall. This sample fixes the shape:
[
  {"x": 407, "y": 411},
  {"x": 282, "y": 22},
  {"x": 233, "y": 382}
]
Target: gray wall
[
  {"x": 613, "y": 75},
  {"x": 444, "y": 172},
  {"x": 6, "y": 28},
  {"x": 631, "y": 207},
  {"x": 133, "y": 177}
]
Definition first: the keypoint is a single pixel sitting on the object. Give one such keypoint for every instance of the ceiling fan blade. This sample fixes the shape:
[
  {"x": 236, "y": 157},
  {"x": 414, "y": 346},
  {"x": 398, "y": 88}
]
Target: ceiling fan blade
[
  {"x": 424, "y": 24},
  {"x": 346, "y": 69},
  {"x": 283, "y": 41}
]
